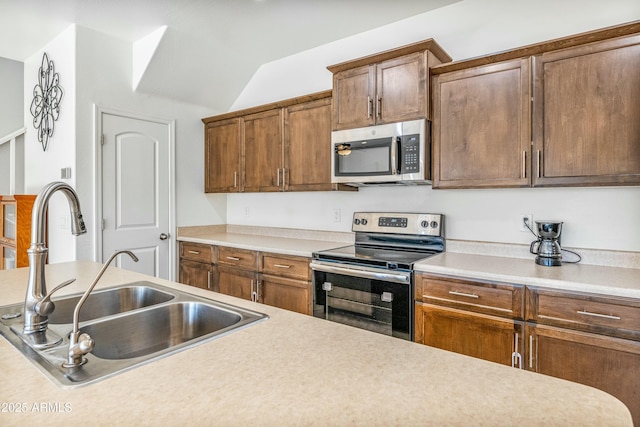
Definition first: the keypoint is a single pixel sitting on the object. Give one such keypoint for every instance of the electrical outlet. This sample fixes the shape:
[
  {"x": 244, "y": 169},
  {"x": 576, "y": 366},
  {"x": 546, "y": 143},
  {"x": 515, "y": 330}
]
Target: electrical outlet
[
  {"x": 247, "y": 211},
  {"x": 526, "y": 219},
  {"x": 337, "y": 215}
]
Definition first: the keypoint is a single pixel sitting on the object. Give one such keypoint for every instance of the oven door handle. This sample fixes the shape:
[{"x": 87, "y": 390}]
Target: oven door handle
[{"x": 367, "y": 274}]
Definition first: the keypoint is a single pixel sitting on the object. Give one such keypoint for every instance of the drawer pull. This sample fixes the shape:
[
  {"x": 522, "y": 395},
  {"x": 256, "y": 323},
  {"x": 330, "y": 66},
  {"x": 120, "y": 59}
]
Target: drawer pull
[
  {"x": 281, "y": 266},
  {"x": 604, "y": 316},
  {"x": 194, "y": 252},
  {"x": 233, "y": 258},
  {"x": 463, "y": 294}
]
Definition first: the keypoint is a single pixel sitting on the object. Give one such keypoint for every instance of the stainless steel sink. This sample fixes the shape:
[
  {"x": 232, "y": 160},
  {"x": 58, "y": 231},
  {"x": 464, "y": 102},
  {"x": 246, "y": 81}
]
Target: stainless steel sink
[
  {"x": 150, "y": 331},
  {"x": 108, "y": 302},
  {"x": 131, "y": 324}
]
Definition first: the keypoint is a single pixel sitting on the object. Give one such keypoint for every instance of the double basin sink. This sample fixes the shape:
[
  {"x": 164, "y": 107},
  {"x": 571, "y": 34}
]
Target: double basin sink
[{"x": 131, "y": 324}]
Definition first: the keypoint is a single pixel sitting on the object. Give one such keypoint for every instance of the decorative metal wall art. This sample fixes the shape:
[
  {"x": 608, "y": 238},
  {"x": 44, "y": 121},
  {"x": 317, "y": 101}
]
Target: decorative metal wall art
[{"x": 45, "y": 107}]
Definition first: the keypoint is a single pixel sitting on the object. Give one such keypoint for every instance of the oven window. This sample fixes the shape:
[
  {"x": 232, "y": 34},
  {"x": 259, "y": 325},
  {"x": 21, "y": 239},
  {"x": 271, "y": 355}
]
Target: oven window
[
  {"x": 371, "y": 157},
  {"x": 375, "y": 305}
]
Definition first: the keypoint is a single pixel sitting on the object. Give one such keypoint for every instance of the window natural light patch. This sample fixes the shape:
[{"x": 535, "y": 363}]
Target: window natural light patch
[{"x": 142, "y": 52}]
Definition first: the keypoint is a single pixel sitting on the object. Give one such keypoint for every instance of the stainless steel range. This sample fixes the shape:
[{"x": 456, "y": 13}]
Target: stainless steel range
[{"x": 369, "y": 285}]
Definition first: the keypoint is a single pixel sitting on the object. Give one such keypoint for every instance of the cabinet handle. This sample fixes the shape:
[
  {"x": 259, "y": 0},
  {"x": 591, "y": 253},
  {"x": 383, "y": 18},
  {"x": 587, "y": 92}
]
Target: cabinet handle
[
  {"x": 369, "y": 104},
  {"x": 208, "y": 280},
  {"x": 233, "y": 258},
  {"x": 604, "y": 316},
  {"x": 284, "y": 178},
  {"x": 281, "y": 266},
  {"x": 516, "y": 356},
  {"x": 524, "y": 164},
  {"x": 539, "y": 154},
  {"x": 194, "y": 252},
  {"x": 258, "y": 283},
  {"x": 463, "y": 294},
  {"x": 254, "y": 294},
  {"x": 530, "y": 351},
  {"x": 379, "y": 106},
  {"x": 235, "y": 179}
]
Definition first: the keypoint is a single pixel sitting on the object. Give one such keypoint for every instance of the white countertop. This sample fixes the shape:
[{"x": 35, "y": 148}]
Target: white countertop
[
  {"x": 575, "y": 277},
  {"x": 280, "y": 245},
  {"x": 294, "y": 369}
]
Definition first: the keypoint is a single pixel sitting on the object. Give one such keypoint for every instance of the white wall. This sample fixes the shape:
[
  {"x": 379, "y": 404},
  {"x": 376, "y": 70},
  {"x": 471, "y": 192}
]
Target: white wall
[
  {"x": 11, "y": 113},
  {"x": 599, "y": 218},
  {"x": 42, "y": 167},
  {"x": 11, "y": 99},
  {"x": 96, "y": 69}
]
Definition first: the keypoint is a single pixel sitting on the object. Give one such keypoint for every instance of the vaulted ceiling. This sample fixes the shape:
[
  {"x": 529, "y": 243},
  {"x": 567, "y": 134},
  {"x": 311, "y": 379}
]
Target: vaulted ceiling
[{"x": 205, "y": 41}]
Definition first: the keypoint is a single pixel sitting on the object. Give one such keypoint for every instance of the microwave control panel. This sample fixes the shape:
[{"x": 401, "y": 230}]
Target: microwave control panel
[{"x": 410, "y": 155}]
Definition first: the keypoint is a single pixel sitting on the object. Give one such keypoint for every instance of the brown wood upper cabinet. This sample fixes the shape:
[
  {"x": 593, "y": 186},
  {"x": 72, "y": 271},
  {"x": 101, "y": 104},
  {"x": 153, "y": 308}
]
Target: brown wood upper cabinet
[
  {"x": 268, "y": 148},
  {"x": 578, "y": 125},
  {"x": 481, "y": 126},
  {"x": 388, "y": 87},
  {"x": 262, "y": 150},
  {"x": 222, "y": 157},
  {"x": 587, "y": 114}
]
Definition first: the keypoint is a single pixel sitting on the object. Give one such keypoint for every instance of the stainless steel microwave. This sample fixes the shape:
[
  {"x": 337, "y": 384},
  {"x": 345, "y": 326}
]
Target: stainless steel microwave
[{"x": 396, "y": 153}]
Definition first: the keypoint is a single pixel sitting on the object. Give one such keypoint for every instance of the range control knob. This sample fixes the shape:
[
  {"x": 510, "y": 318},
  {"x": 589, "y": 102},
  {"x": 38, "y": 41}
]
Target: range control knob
[
  {"x": 364, "y": 221},
  {"x": 356, "y": 221},
  {"x": 425, "y": 224},
  {"x": 434, "y": 224}
]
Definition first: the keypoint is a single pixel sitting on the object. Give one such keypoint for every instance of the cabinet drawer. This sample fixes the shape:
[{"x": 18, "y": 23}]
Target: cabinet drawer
[
  {"x": 615, "y": 316},
  {"x": 241, "y": 258},
  {"x": 484, "y": 297},
  {"x": 287, "y": 266},
  {"x": 196, "y": 252}
]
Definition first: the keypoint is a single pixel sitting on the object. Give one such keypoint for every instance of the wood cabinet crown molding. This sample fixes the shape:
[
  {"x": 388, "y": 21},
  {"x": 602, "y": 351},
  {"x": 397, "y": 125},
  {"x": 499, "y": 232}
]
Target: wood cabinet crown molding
[
  {"x": 540, "y": 48},
  {"x": 429, "y": 44},
  {"x": 260, "y": 108}
]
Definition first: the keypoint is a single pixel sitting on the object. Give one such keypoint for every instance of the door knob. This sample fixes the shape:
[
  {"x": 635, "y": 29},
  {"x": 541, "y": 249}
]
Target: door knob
[{"x": 164, "y": 236}]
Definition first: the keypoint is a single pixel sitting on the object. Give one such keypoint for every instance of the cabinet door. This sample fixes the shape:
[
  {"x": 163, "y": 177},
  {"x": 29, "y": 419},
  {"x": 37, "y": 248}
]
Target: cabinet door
[
  {"x": 263, "y": 151},
  {"x": 401, "y": 89},
  {"x": 609, "y": 364},
  {"x": 198, "y": 274},
  {"x": 587, "y": 114},
  {"x": 222, "y": 157},
  {"x": 237, "y": 283},
  {"x": 481, "y": 126},
  {"x": 289, "y": 294},
  {"x": 353, "y": 97},
  {"x": 473, "y": 334},
  {"x": 307, "y": 153}
]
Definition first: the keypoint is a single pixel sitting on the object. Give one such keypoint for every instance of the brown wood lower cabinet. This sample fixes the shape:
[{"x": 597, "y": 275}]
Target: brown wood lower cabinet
[
  {"x": 587, "y": 338},
  {"x": 290, "y": 294},
  {"x": 282, "y": 281},
  {"x": 237, "y": 282},
  {"x": 198, "y": 274},
  {"x": 473, "y": 334},
  {"x": 197, "y": 265},
  {"x": 607, "y": 363}
]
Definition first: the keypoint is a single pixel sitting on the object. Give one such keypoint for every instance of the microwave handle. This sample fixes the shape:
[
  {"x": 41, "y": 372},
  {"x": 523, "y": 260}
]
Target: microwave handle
[{"x": 396, "y": 149}]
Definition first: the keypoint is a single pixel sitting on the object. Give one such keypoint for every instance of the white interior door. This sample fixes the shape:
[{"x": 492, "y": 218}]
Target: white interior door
[{"x": 136, "y": 193}]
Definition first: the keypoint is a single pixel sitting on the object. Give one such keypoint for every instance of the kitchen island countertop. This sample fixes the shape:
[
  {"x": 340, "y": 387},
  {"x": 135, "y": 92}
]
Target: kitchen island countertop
[{"x": 291, "y": 370}]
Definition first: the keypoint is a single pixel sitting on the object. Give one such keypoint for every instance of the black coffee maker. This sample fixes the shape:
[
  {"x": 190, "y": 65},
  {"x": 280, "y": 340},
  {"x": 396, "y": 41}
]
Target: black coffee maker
[{"x": 547, "y": 246}]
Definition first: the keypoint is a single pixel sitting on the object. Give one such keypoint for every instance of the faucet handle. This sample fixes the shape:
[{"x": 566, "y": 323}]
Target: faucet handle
[{"x": 45, "y": 306}]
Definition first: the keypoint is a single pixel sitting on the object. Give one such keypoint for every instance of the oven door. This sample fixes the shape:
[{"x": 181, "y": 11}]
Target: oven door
[{"x": 378, "y": 300}]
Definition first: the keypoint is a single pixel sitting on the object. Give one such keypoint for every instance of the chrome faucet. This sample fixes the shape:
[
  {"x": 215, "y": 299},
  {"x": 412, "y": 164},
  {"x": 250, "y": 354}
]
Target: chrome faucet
[
  {"x": 37, "y": 304},
  {"x": 81, "y": 344}
]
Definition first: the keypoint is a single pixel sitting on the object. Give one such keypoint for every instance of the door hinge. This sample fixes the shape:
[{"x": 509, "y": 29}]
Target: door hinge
[
  {"x": 102, "y": 224},
  {"x": 102, "y": 139}
]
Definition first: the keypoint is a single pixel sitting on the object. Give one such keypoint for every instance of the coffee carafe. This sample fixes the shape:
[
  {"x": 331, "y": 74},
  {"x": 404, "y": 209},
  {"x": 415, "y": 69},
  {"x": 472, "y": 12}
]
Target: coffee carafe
[{"x": 547, "y": 247}]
